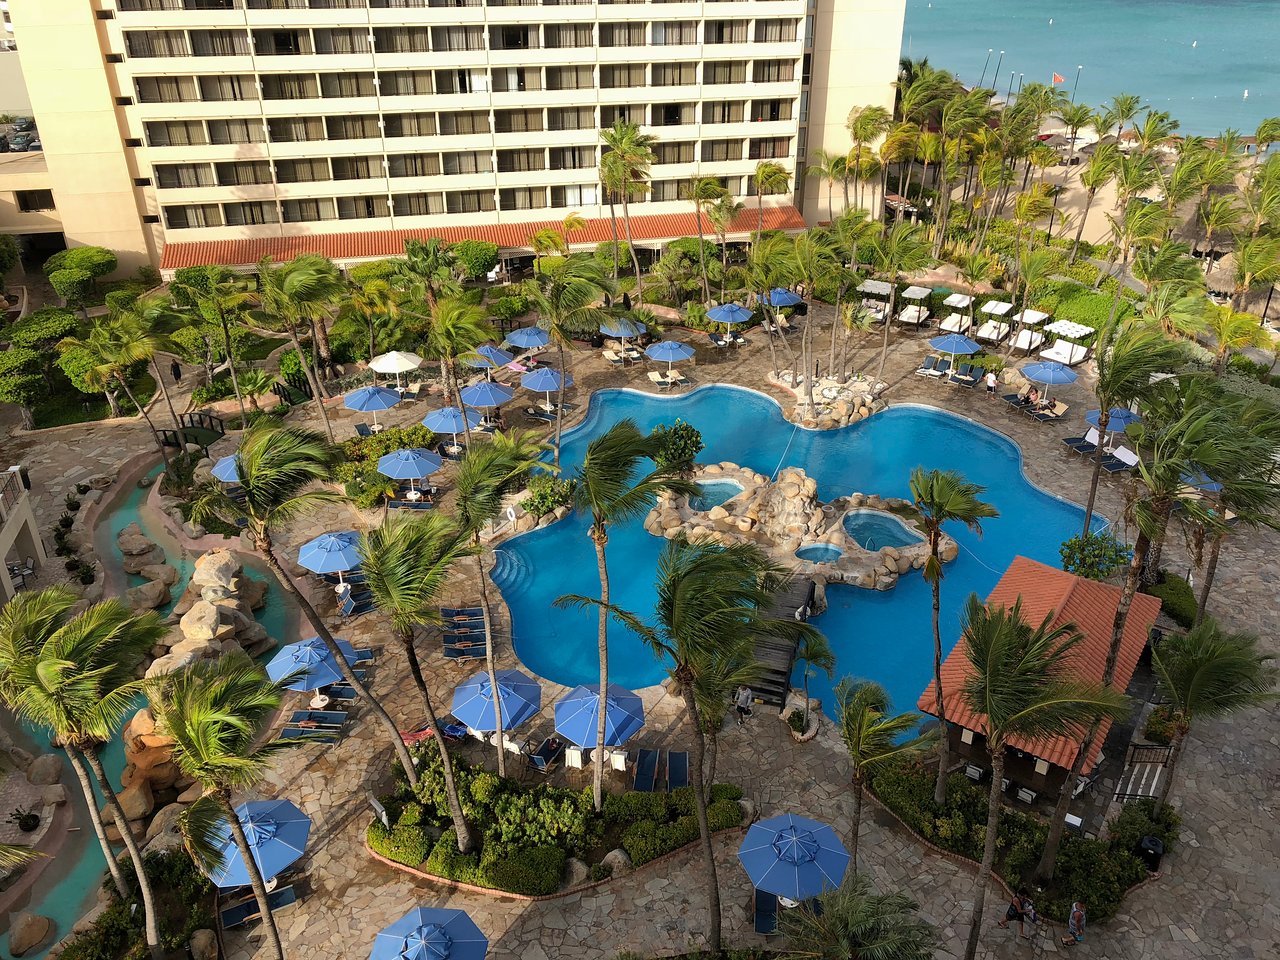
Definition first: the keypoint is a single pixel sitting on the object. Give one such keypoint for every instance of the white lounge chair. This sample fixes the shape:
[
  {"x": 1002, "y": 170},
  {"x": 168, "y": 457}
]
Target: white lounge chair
[
  {"x": 1028, "y": 340},
  {"x": 660, "y": 379},
  {"x": 1064, "y": 351},
  {"x": 956, "y": 323},
  {"x": 913, "y": 316},
  {"x": 613, "y": 358},
  {"x": 993, "y": 331},
  {"x": 675, "y": 378}
]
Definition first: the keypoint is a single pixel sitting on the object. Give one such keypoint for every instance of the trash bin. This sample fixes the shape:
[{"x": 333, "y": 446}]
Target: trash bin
[
  {"x": 1151, "y": 849},
  {"x": 597, "y": 341}
]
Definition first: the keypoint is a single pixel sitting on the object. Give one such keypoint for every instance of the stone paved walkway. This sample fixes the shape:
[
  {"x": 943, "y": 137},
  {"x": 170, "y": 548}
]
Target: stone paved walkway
[{"x": 1216, "y": 898}]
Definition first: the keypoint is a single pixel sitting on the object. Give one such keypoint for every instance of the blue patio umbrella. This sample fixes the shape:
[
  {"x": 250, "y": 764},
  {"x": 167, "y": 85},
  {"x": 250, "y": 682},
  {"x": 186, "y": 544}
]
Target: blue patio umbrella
[
  {"x": 956, "y": 344},
  {"x": 413, "y": 463},
  {"x": 451, "y": 420},
  {"x": 1049, "y": 372},
  {"x": 488, "y": 357},
  {"x": 371, "y": 400},
  {"x": 227, "y": 469},
  {"x": 578, "y": 715},
  {"x": 431, "y": 934},
  {"x": 277, "y": 832},
  {"x": 781, "y": 297},
  {"x": 793, "y": 857},
  {"x": 310, "y": 663},
  {"x": 669, "y": 352},
  {"x": 486, "y": 394},
  {"x": 529, "y": 338},
  {"x": 1118, "y": 418},
  {"x": 331, "y": 552},
  {"x": 519, "y": 697},
  {"x": 545, "y": 380},
  {"x": 622, "y": 328},
  {"x": 729, "y": 314},
  {"x": 1201, "y": 481}
]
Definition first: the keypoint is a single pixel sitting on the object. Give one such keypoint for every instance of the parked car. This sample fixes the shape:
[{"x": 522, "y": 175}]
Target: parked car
[
  {"x": 19, "y": 141},
  {"x": 23, "y": 124},
  {"x": 34, "y": 145}
]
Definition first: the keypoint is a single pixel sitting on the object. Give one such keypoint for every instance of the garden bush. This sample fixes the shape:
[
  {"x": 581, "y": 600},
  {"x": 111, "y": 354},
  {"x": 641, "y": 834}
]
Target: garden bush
[
  {"x": 75, "y": 287},
  {"x": 534, "y": 871},
  {"x": 634, "y": 807},
  {"x": 475, "y": 257},
  {"x": 547, "y": 492},
  {"x": 1094, "y": 872},
  {"x": 509, "y": 307},
  {"x": 679, "y": 442},
  {"x": 42, "y": 328},
  {"x": 403, "y": 844},
  {"x": 364, "y": 273},
  {"x": 604, "y": 254},
  {"x": 1177, "y": 598},
  {"x": 1160, "y": 725},
  {"x": 445, "y": 860},
  {"x": 365, "y": 449},
  {"x": 95, "y": 261},
  {"x": 1095, "y": 556},
  {"x": 1144, "y": 818},
  {"x": 218, "y": 389}
]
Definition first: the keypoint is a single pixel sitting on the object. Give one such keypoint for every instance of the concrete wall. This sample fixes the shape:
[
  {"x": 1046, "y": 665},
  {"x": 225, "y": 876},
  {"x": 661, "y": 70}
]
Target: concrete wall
[
  {"x": 13, "y": 88},
  {"x": 25, "y": 171}
]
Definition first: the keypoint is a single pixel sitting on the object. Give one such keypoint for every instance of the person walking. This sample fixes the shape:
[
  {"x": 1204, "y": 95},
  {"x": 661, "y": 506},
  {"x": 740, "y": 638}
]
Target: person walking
[
  {"x": 1075, "y": 925},
  {"x": 991, "y": 381},
  {"x": 1022, "y": 910},
  {"x": 175, "y": 371},
  {"x": 742, "y": 703}
]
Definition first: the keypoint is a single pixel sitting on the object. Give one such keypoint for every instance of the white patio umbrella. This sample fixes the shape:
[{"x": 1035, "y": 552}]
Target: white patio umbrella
[{"x": 396, "y": 362}]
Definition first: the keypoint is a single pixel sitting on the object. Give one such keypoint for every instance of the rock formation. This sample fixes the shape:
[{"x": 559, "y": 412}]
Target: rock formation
[
  {"x": 143, "y": 557},
  {"x": 27, "y": 931}
]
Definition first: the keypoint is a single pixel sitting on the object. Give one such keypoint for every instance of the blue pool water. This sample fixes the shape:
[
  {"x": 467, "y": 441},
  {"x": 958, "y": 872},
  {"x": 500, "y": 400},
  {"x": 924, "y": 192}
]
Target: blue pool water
[
  {"x": 872, "y": 530},
  {"x": 819, "y": 553},
  {"x": 883, "y": 636},
  {"x": 714, "y": 493}
]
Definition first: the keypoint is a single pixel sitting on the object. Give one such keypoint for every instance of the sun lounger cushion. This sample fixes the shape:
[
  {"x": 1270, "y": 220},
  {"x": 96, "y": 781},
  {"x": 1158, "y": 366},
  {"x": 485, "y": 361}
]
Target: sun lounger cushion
[
  {"x": 1064, "y": 351},
  {"x": 309, "y": 735},
  {"x": 461, "y": 613},
  {"x": 1028, "y": 340},
  {"x": 766, "y": 912},
  {"x": 659, "y": 378},
  {"x": 612, "y": 357},
  {"x": 677, "y": 769},
  {"x": 956, "y": 323},
  {"x": 993, "y": 331},
  {"x": 646, "y": 771}
]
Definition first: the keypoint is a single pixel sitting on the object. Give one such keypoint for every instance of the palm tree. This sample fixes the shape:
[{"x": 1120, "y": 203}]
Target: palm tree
[
  {"x": 812, "y": 258},
  {"x": 1124, "y": 108},
  {"x": 1097, "y": 173},
  {"x": 428, "y": 273},
  {"x": 488, "y": 473},
  {"x": 297, "y": 296},
  {"x": 815, "y": 653},
  {"x": 544, "y": 242},
  {"x": 977, "y": 267},
  {"x": 902, "y": 248},
  {"x": 217, "y": 712},
  {"x": 1016, "y": 684},
  {"x": 857, "y": 922},
  {"x": 703, "y": 192},
  {"x": 74, "y": 674},
  {"x": 1176, "y": 309},
  {"x": 454, "y": 330},
  {"x": 221, "y": 296},
  {"x": 1231, "y": 331},
  {"x": 140, "y": 337},
  {"x": 565, "y": 299},
  {"x": 610, "y": 487},
  {"x": 722, "y": 215},
  {"x": 1257, "y": 265},
  {"x": 1208, "y": 673},
  {"x": 280, "y": 467},
  {"x": 624, "y": 169},
  {"x": 944, "y": 496},
  {"x": 769, "y": 177},
  {"x": 406, "y": 563},
  {"x": 829, "y": 168},
  {"x": 1218, "y": 215},
  {"x": 866, "y": 125},
  {"x": 1076, "y": 116},
  {"x": 766, "y": 269},
  {"x": 873, "y": 736},
  {"x": 371, "y": 305},
  {"x": 255, "y": 383}
]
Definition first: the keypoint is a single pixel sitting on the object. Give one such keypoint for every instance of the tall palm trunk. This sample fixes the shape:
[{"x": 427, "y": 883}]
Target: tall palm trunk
[
  {"x": 320, "y": 337},
  {"x": 888, "y": 321},
  {"x": 1210, "y": 571},
  {"x": 613, "y": 225},
  {"x": 759, "y": 214},
  {"x": 311, "y": 380},
  {"x": 600, "y": 537},
  {"x": 564, "y": 375},
  {"x": 983, "y": 880},
  {"x": 635, "y": 258},
  {"x": 856, "y": 828},
  {"x": 95, "y": 816},
  {"x": 465, "y": 840},
  {"x": 702, "y": 253},
  {"x": 700, "y": 807},
  {"x": 452, "y": 383},
  {"x": 944, "y": 751},
  {"x": 1104, "y": 420},
  {"x": 486, "y": 613},
  {"x": 155, "y": 434},
  {"x": 255, "y": 875},
  {"x": 145, "y": 894},
  {"x": 231, "y": 361},
  {"x": 713, "y": 752},
  {"x": 113, "y": 402},
  {"x": 264, "y": 547}
]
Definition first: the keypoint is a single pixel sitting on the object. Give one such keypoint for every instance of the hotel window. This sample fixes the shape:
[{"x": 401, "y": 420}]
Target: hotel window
[
  {"x": 362, "y": 208},
  {"x": 236, "y": 131},
  {"x": 772, "y": 71},
  {"x": 405, "y": 83},
  {"x": 775, "y": 31},
  {"x": 192, "y": 216},
  {"x": 571, "y": 118},
  {"x": 751, "y": 189},
  {"x": 513, "y": 37},
  {"x": 167, "y": 90},
  {"x": 516, "y": 79},
  {"x": 521, "y": 161},
  {"x": 450, "y": 39},
  {"x": 769, "y": 110},
  {"x": 615, "y": 76},
  {"x": 469, "y": 201},
  {"x": 417, "y": 204},
  {"x": 575, "y": 195},
  {"x": 342, "y": 41},
  {"x": 522, "y": 198},
  {"x": 347, "y": 85},
  {"x": 295, "y": 129},
  {"x": 175, "y": 133},
  {"x": 725, "y": 71},
  {"x": 219, "y": 43},
  {"x": 664, "y": 191},
  {"x": 243, "y": 173},
  {"x": 564, "y": 35},
  {"x": 726, "y": 31},
  {"x": 158, "y": 6},
  {"x": 573, "y": 158},
  {"x": 461, "y": 81},
  {"x": 570, "y": 78},
  {"x": 673, "y": 74},
  {"x": 360, "y": 127},
  {"x": 469, "y": 162},
  {"x": 724, "y": 111},
  {"x": 517, "y": 121},
  {"x": 626, "y": 112},
  {"x": 173, "y": 176},
  {"x": 768, "y": 148},
  {"x": 413, "y": 164},
  {"x": 34, "y": 201},
  {"x": 307, "y": 210},
  {"x": 714, "y": 151},
  {"x": 282, "y": 43},
  {"x": 622, "y": 34},
  {"x": 672, "y": 114},
  {"x": 289, "y": 86},
  {"x": 357, "y": 168},
  {"x": 305, "y": 170},
  {"x": 675, "y": 32},
  {"x": 231, "y": 87},
  {"x": 157, "y": 43},
  {"x": 678, "y": 152},
  {"x": 464, "y": 123}
]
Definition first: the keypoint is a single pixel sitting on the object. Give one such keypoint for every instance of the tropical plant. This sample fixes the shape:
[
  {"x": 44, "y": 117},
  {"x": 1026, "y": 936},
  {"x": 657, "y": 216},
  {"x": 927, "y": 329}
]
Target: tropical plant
[
  {"x": 866, "y": 125},
  {"x": 373, "y": 305},
  {"x": 1097, "y": 173},
  {"x": 625, "y": 161},
  {"x": 857, "y": 922},
  {"x": 428, "y": 273},
  {"x": 873, "y": 736},
  {"x": 830, "y": 168},
  {"x": 1231, "y": 331},
  {"x": 815, "y": 653},
  {"x": 254, "y": 383},
  {"x": 220, "y": 296},
  {"x": 902, "y": 248},
  {"x": 703, "y": 192},
  {"x": 455, "y": 329},
  {"x": 769, "y": 177},
  {"x": 1018, "y": 684},
  {"x": 140, "y": 339},
  {"x": 944, "y": 496},
  {"x": 722, "y": 215}
]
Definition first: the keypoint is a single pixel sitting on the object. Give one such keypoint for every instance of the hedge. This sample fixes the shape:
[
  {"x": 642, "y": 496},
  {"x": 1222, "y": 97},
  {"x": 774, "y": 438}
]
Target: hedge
[{"x": 1177, "y": 599}]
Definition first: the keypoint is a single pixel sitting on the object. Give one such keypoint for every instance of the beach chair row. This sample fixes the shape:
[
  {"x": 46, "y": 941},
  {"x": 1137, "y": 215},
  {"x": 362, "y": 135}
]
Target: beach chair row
[
  {"x": 463, "y": 632},
  {"x": 939, "y": 368},
  {"x": 1021, "y": 403},
  {"x": 1114, "y": 461},
  {"x": 652, "y": 769}
]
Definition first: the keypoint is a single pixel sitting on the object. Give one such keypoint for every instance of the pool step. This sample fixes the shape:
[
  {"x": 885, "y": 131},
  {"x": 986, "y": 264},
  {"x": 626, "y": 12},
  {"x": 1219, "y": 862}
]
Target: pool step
[{"x": 510, "y": 572}]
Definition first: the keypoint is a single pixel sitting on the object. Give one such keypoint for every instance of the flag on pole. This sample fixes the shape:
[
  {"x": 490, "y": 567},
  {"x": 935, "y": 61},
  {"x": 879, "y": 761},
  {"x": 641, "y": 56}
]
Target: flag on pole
[{"x": 1059, "y": 78}]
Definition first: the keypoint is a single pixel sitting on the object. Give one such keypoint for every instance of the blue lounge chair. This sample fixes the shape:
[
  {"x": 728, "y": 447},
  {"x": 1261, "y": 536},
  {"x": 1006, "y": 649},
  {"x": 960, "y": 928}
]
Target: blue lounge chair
[
  {"x": 461, "y": 613},
  {"x": 736, "y": 338},
  {"x": 356, "y": 604},
  {"x": 242, "y": 913},
  {"x": 967, "y": 375},
  {"x": 309, "y": 735},
  {"x": 363, "y": 430},
  {"x": 943, "y": 368},
  {"x": 717, "y": 339},
  {"x": 928, "y": 368},
  {"x": 646, "y": 771},
  {"x": 765, "y": 908},
  {"x": 677, "y": 770},
  {"x": 324, "y": 719},
  {"x": 364, "y": 655},
  {"x": 464, "y": 653},
  {"x": 547, "y": 755},
  {"x": 341, "y": 693}
]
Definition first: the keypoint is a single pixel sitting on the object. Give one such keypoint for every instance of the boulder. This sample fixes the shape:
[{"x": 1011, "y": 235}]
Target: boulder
[
  {"x": 203, "y": 945},
  {"x": 717, "y": 513},
  {"x": 54, "y": 795},
  {"x": 193, "y": 530},
  {"x": 45, "y": 770},
  {"x": 136, "y": 800},
  {"x": 575, "y": 873},
  {"x": 140, "y": 724},
  {"x": 207, "y": 621},
  {"x": 619, "y": 861},
  {"x": 134, "y": 544},
  {"x": 253, "y": 593},
  {"x": 133, "y": 563},
  {"x": 162, "y": 572},
  {"x": 165, "y": 820},
  {"x": 19, "y": 758},
  {"x": 191, "y": 793},
  {"x": 27, "y": 931},
  {"x": 168, "y": 664},
  {"x": 748, "y": 808},
  {"x": 136, "y": 827},
  {"x": 147, "y": 596},
  {"x": 197, "y": 649},
  {"x": 216, "y": 568}
]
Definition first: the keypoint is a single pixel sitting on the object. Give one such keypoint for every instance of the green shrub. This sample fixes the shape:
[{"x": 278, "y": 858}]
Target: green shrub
[
  {"x": 634, "y": 807},
  {"x": 542, "y": 818},
  {"x": 1161, "y": 725},
  {"x": 534, "y": 871},
  {"x": 369, "y": 449},
  {"x": 509, "y": 307},
  {"x": 290, "y": 365},
  {"x": 411, "y": 815},
  {"x": 42, "y": 328},
  {"x": 601, "y": 871},
  {"x": 1093, "y": 872},
  {"x": 218, "y": 389},
  {"x": 364, "y": 484},
  {"x": 75, "y": 287},
  {"x": 605, "y": 251},
  {"x": 547, "y": 492},
  {"x": 403, "y": 844},
  {"x": 485, "y": 788},
  {"x": 1177, "y": 599},
  {"x": 445, "y": 860},
  {"x": 1144, "y": 818},
  {"x": 95, "y": 261},
  {"x": 1095, "y": 556},
  {"x": 724, "y": 791},
  {"x": 123, "y": 298},
  {"x": 679, "y": 442},
  {"x": 373, "y": 270},
  {"x": 475, "y": 257},
  {"x": 723, "y": 814},
  {"x": 688, "y": 246}
]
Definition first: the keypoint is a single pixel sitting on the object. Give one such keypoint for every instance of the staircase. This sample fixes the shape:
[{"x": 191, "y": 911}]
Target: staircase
[
  {"x": 776, "y": 658},
  {"x": 1144, "y": 768}
]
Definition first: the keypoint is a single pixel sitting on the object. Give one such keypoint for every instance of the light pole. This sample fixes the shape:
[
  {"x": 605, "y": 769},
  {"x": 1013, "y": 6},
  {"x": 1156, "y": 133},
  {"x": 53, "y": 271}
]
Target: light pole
[
  {"x": 984, "y": 67},
  {"x": 995, "y": 77},
  {"x": 1079, "y": 67}
]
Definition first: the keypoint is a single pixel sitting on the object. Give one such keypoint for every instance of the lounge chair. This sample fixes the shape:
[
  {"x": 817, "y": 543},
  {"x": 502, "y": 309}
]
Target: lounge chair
[
  {"x": 1028, "y": 340},
  {"x": 1016, "y": 400},
  {"x": 318, "y": 719},
  {"x": 677, "y": 770},
  {"x": 1086, "y": 445},
  {"x": 449, "y": 732},
  {"x": 737, "y": 339},
  {"x": 929, "y": 367},
  {"x": 341, "y": 693},
  {"x": 646, "y": 774},
  {"x": 277, "y": 901},
  {"x": 717, "y": 339},
  {"x": 660, "y": 379},
  {"x": 535, "y": 413},
  {"x": 615, "y": 360},
  {"x": 363, "y": 430},
  {"x": 913, "y": 316},
  {"x": 461, "y": 613},
  {"x": 1122, "y": 459},
  {"x": 967, "y": 375},
  {"x": 676, "y": 378},
  {"x": 412, "y": 390},
  {"x": 310, "y": 735},
  {"x": 364, "y": 655},
  {"x": 1055, "y": 412},
  {"x": 1064, "y": 351},
  {"x": 357, "y": 604},
  {"x": 475, "y": 652},
  {"x": 765, "y": 908},
  {"x": 943, "y": 368},
  {"x": 992, "y": 331},
  {"x": 548, "y": 754}
]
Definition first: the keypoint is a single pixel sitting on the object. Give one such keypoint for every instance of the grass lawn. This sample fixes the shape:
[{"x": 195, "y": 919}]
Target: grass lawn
[
  {"x": 69, "y": 405},
  {"x": 257, "y": 347}
]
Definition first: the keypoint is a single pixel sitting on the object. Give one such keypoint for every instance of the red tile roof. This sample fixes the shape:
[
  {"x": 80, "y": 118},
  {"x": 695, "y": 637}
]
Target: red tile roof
[
  {"x": 508, "y": 236},
  {"x": 1091, "y": 606}
]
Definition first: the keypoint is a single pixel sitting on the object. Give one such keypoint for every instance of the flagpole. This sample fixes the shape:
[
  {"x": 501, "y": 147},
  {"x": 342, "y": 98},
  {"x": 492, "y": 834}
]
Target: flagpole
[
  {"x": 984, "y": 67},
  {"x": 995, "y": 77},
  {"x": 1079, "y": 67}
]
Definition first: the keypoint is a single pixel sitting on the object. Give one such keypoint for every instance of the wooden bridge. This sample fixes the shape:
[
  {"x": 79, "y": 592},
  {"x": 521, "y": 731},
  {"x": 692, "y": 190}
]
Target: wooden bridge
[{"x": 776, "y": 658}]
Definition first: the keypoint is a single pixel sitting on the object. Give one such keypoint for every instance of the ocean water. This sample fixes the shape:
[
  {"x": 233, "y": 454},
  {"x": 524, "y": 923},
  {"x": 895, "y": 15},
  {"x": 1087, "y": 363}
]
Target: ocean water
[{"x": 1193, "y": 58}]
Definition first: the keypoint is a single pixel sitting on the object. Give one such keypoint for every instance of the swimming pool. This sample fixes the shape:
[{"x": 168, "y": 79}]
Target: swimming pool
[
  {"x": 714, "y": 493},
  {"x": 820, "y": 553},
  {"x": 871, "y": 530},
  {"x": 884, "y": 636}
]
